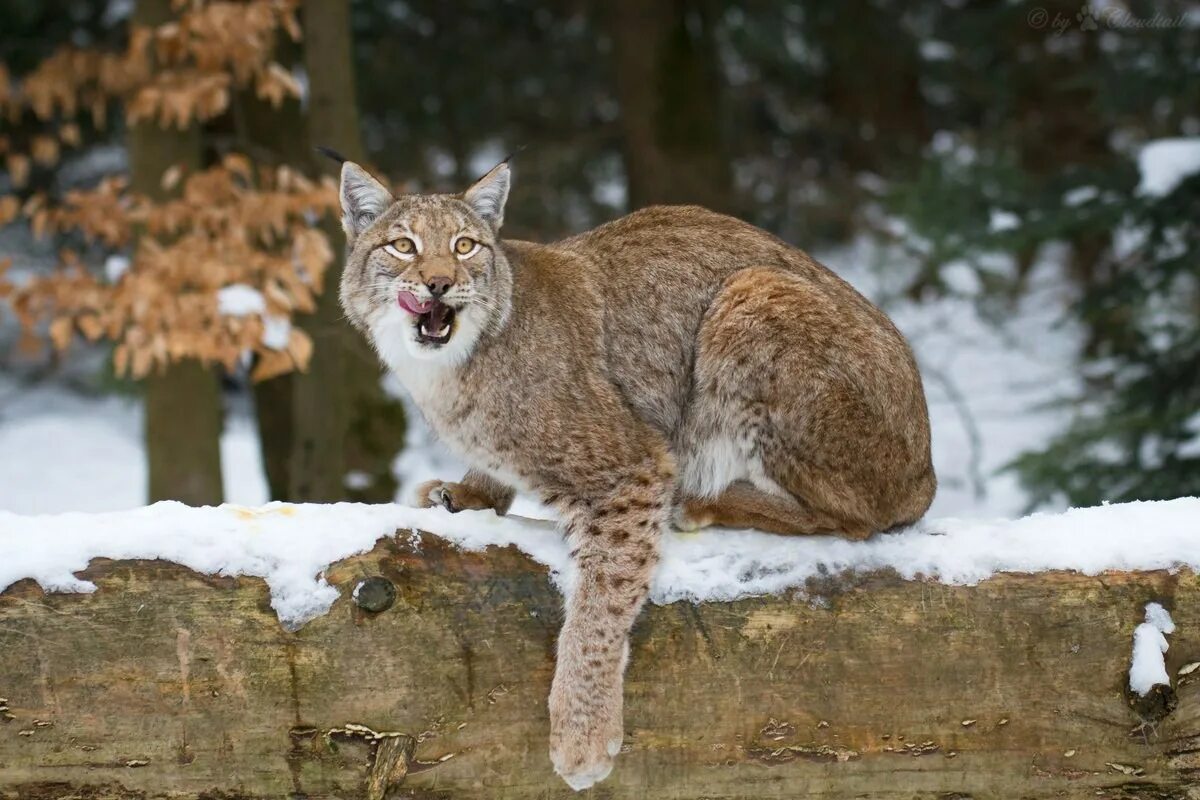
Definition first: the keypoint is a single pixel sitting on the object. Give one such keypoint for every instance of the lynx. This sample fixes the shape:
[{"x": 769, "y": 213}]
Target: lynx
[{"x": 675, "y": 366}]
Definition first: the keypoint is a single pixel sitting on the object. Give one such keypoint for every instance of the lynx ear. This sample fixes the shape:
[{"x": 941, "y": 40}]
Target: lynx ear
[
  {"x": 363, "y": 199},
  {"x": 488, "y": 195}
]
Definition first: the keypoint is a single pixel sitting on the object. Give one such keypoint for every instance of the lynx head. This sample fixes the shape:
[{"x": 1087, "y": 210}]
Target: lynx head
[{"x": 425, "y": 274}]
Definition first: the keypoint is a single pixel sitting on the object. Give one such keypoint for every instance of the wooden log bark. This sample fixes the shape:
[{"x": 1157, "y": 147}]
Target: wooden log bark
[{"x": 169, "y": 684}]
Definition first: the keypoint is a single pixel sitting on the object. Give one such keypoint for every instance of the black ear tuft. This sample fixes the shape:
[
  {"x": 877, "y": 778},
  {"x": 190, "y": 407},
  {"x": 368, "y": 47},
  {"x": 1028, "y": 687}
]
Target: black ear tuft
[
  {"x": 515, "y": 152},
  {"x": 329, "y": 152}
]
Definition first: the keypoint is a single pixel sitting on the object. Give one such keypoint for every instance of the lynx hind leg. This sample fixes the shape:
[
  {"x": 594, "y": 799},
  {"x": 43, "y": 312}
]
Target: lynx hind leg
[
  {"x": 742, "y": 505},
  {"x": 829, "y": 401},
  {"x": 476, "y": 492}
]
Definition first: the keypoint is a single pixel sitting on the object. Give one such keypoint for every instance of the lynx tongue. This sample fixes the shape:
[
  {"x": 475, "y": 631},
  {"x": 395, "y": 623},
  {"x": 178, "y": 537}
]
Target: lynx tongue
[{"x": 409, "y": 302}]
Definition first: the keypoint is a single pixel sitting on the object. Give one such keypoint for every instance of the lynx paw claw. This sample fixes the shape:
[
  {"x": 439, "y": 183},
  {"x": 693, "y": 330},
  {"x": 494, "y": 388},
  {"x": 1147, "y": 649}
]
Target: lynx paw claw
[{"x": 436, "y": 494}]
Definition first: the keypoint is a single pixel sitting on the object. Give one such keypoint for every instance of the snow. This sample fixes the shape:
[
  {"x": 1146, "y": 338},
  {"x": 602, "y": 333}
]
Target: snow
[
  {"x": 1080, "y": 195},
  {"x": 291, "y": 545},
  {"x": 953, "y": 147},
  {"x": 115, "y": 266},
  {"x": 357, "y": 480},
  {"x": 1165, "y": 163},
  {"x": 240, "y": 300},
  {"x": 1000, "y": 221},
  {"x": 104, "y": 461},
  {"x": 243, "y": 478},
  {"x": 1148, "y": 668},
  {"x": 1160, "y": 618},
  {"x": 277, "y": 331},
  {"x": 935, "y": 50},
  {"x": 62, "y": 451}
]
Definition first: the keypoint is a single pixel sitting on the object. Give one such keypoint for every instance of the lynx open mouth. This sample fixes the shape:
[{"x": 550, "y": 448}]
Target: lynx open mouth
[
  {"x": 434, "y": 319},
  {"x": 436, "y": 325}
]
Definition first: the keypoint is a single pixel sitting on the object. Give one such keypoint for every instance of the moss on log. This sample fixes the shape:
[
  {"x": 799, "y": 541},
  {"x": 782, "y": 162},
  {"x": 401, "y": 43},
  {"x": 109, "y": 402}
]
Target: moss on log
[{"x": 169, "y": 684}]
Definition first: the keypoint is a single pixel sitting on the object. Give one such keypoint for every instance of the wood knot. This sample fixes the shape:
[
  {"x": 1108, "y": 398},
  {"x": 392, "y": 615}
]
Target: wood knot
[{"x": 374, "y": 594}]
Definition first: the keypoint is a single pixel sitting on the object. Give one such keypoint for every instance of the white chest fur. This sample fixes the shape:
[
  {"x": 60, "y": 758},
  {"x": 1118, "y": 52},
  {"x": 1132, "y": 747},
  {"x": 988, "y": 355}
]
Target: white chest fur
[{"x": 432, "y": 378}]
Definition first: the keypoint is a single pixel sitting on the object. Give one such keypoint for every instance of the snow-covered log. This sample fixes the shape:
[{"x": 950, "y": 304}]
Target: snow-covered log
[{"x": 860, "y": 679}]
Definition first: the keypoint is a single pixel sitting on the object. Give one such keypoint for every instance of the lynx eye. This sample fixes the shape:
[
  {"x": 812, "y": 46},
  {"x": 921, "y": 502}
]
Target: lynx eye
[
  {"x": 403, "y": 247},
  {"x": 465, "y": 246}
]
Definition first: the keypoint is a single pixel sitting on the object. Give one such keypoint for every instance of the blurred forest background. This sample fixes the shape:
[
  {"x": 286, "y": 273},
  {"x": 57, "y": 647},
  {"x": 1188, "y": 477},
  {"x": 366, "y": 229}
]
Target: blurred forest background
[{"x": 1017, "y": 183}]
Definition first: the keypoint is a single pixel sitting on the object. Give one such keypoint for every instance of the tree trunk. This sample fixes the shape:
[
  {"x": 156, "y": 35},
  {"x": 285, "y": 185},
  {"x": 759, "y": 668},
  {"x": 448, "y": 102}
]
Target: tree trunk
[
  {"x": 315, "y": 428},
  {"x": 182, "y": 402},
  {"x": 342, "y": 422},
  {"x": 668, "y": 83},
  {"x": 165, "y": 683},
  {"x": 273, "y": 412},
  {"x": 183, "y": 434},
  {"x": 273, "y": 136}
]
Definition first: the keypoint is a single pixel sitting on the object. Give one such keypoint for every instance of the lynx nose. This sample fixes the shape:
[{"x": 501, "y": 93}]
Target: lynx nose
[{"x": 439, "y": 286}]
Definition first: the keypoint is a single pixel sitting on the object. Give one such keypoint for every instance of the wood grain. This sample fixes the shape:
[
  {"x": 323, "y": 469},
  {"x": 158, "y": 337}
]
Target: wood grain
[{"x": 168, "y": 684}]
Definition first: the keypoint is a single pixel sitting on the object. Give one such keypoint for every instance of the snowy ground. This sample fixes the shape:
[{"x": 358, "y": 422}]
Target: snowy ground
[
  {"x": 64, "y": 451},
  {"x": 988, "y": 382}
]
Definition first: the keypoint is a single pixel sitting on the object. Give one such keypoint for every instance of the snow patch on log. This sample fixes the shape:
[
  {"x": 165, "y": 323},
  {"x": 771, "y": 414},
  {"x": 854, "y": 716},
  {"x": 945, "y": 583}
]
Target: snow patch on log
[
  {"x": 290, "y": 546},
  {"x": 1148, "y": 668}
]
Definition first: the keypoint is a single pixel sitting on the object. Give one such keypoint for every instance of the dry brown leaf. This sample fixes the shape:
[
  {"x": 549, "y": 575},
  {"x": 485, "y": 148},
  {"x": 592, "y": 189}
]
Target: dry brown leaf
[
  {"x": 18, "y": 169},
  {"x": 5, "y": 87},
  {"x": 121, "y": 360},
  {"x": 275, "y": 84},
  {"x": 140, "y": 362},
  {"x": 10, "y": 207},
  {"x": 290, "y": 24},
  {"x": 300, "y": 347},
  {"x": 271, "y": 364},
  {"x": 44, "y": 150},
  {"x": 239, "y": 165},
  {"x": 91, "y": 326},
  {"x": 69, "y": 134},
  {"x": 277, "y": 298},
  {"x": 39, "y": 222},
  {"x": 35, "y": 201},
  {"x": 170, "y": 178},
  {"x": 60, "y": 333}
]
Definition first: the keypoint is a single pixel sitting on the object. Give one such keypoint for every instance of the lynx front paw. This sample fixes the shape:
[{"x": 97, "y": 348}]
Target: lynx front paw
[
  {"x": 453, "y": 497},
  {"x": 436, "y": 494},
  {"x": 691, "y": 516},
  {"x": 583, "y": 745}
]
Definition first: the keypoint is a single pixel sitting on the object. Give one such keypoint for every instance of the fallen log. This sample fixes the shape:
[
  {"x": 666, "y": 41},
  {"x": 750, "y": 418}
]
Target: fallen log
[{"x": 166, "y": 683}]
